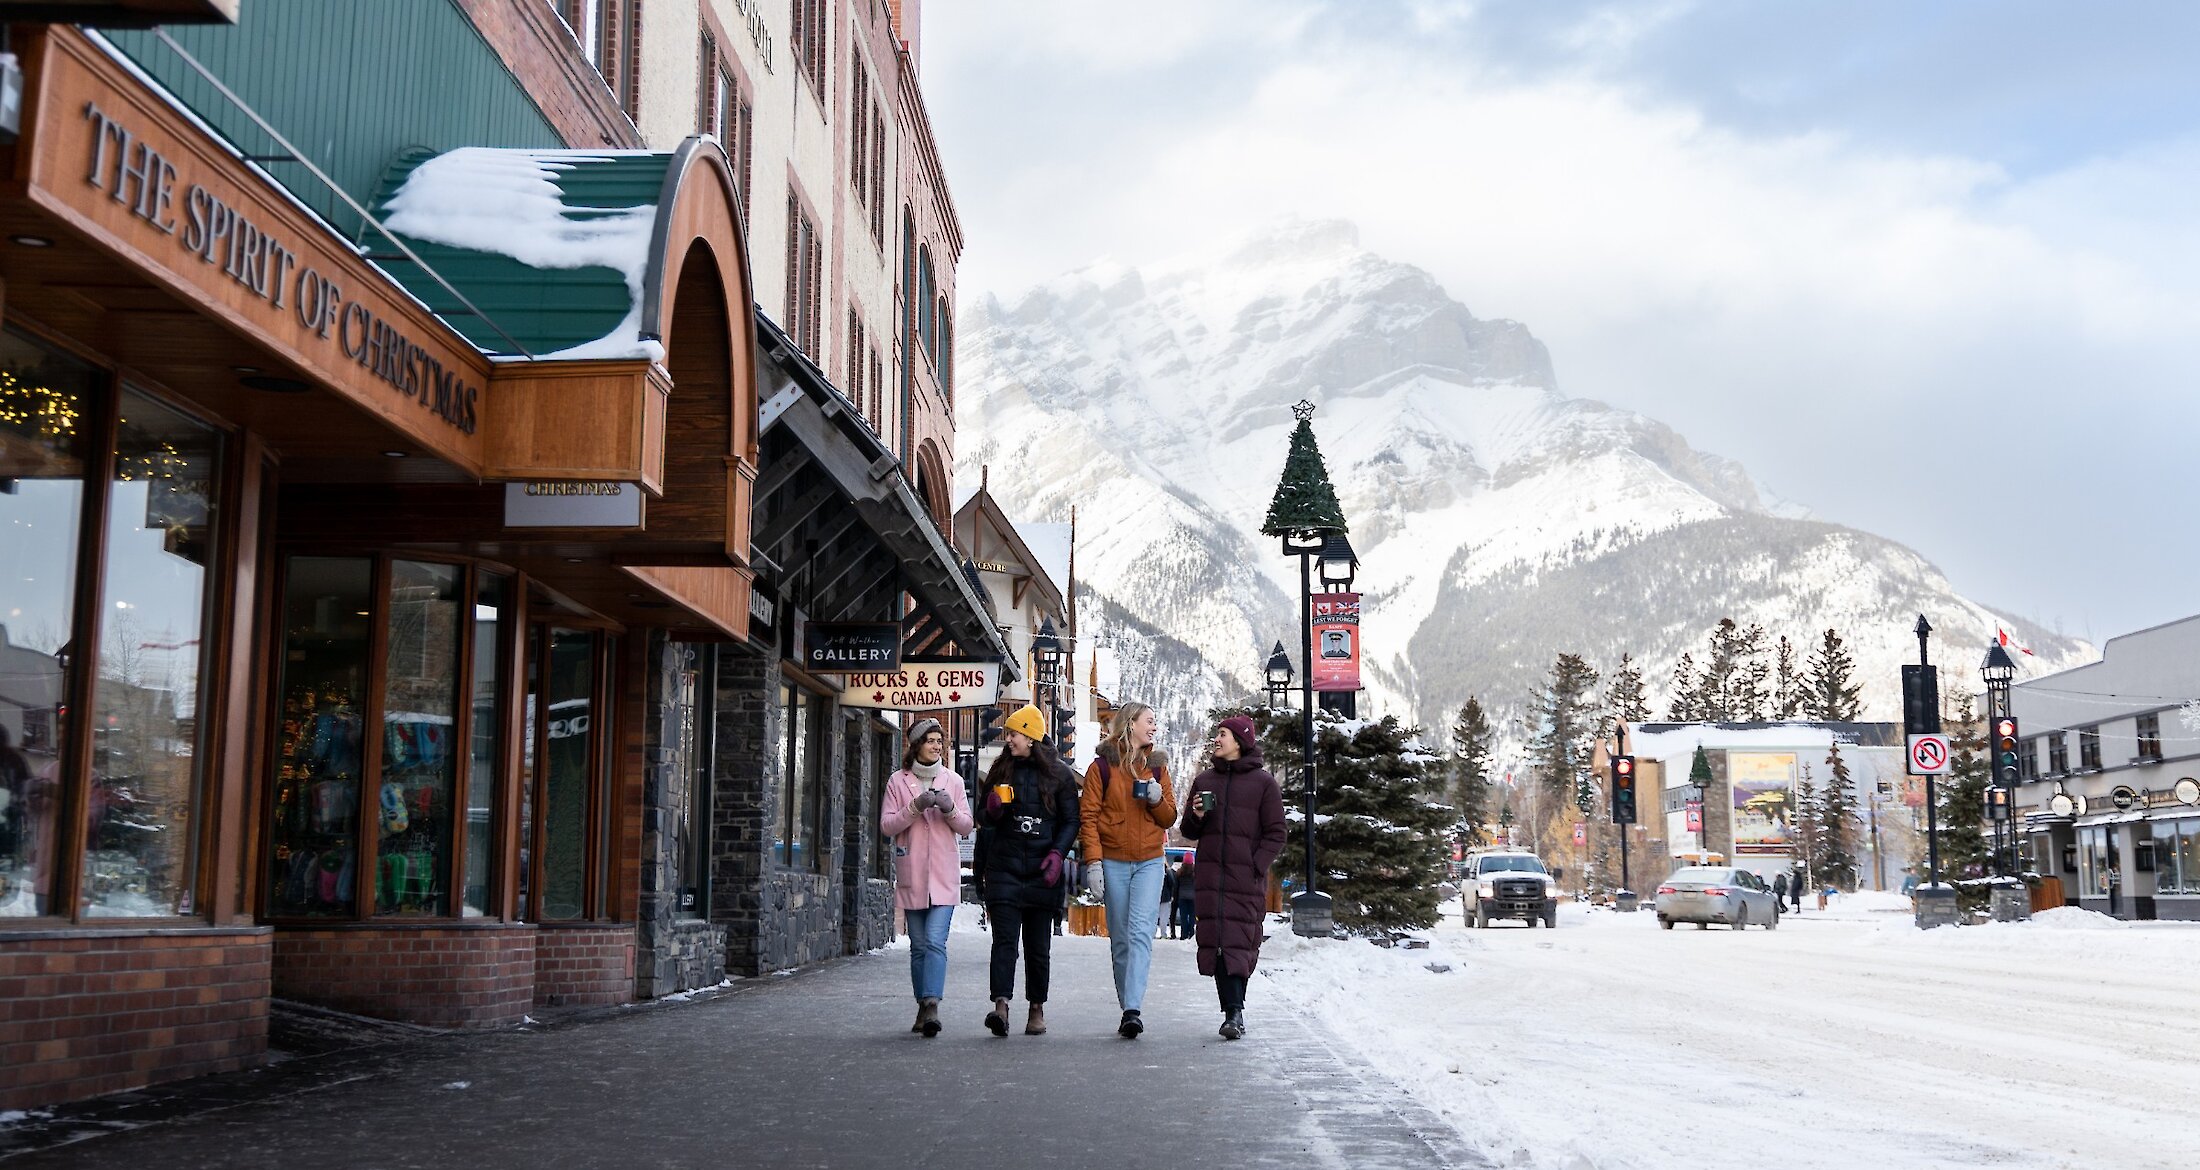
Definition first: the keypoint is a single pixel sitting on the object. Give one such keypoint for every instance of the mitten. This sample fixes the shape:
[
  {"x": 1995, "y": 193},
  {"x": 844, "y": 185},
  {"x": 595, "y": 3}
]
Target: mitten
[
  {"x": 1051, "y": 868},
  {"x": 1153, "y": 793},
  {"x": 1096, "y": 882}
]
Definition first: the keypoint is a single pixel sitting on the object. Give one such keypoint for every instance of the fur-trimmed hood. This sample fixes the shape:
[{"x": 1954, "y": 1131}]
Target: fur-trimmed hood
[{"x": 1154, "y": 759}]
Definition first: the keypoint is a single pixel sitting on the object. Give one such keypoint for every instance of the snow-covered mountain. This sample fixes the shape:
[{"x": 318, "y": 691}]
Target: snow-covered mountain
[{"x": 1498, "y": 522}]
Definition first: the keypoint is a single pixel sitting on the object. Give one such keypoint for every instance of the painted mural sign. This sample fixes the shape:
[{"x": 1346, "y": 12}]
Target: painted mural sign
[
  {"x": 1763, "y": 784},
  {"x": 1336, "y": 641}
]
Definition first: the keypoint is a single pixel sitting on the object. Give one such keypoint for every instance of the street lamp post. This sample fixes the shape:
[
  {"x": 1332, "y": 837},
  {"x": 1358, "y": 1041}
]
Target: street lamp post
[
  {"x": 1999, "y": 671},
  {"x": 1279, "y": 676},
  {"x": 1699, "y": 778},
  {"x": 1924, "y": 631},
  {"x": 1304, "y": 515}
]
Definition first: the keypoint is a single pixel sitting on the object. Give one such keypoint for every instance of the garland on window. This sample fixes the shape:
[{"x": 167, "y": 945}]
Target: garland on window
[{"x": 39, "y": 412}]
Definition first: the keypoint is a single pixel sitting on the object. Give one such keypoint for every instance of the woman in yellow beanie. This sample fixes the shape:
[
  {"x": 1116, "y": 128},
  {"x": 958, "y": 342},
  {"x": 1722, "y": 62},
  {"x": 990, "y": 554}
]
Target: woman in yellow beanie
[{"x": 1028, "y": 819}]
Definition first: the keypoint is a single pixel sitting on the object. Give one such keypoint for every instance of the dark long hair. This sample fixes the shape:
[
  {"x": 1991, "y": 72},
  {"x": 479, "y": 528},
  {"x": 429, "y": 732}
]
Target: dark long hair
[{"x": 1052, "y": 774}]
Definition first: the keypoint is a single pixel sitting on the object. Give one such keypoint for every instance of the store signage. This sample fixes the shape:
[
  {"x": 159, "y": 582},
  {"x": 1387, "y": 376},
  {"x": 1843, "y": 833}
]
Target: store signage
[
  {"x": 924, "y": 686},
  {"x": 2124, "y": 797},
  {"x": 1336, "y": 641},
  {"x": 2187, "y": 790},
  {"x": 155, "y": 189},
  {"x": 863, "y": 646},
  {"x": 1928, "y": 754},
  {"x": 995, "y": 567},
  {"x": 572, "y": 504}
]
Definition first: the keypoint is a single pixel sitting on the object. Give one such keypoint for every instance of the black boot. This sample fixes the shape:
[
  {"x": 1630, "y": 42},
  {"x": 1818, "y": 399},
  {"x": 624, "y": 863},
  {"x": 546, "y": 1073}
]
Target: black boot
[
  {"x": 1131, "y": 1026},
  {"x": 996, "y": 1021},
  {"x": 1233, "y": 1025}
]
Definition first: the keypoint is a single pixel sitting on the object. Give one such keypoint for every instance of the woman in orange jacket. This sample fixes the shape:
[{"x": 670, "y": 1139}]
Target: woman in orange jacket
[{"x": 1125, "y": 813}]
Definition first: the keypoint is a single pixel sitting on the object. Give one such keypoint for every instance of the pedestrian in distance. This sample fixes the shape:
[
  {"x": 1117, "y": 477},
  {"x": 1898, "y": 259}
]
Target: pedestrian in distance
[
  {"x": 1779, "y": 887},
  {"x": 1029, "y": 823},
  {"x": 1795, "y": 888},
  {"x": 924, "y": 811},
  {"x": 1167, "y": 929},
  {"x": 1186, "y": 895},
  {"x": 1127, "y": 806},
  {"x": 1235, "y": 812}
]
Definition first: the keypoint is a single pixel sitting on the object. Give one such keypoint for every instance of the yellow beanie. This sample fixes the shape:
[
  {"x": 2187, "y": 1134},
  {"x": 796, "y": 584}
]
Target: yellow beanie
[{"x": 1027, "y": 722}]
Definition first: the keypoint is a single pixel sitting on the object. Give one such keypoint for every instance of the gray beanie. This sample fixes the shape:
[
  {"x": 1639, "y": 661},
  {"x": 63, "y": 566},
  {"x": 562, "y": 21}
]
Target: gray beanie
[{"x": 922, "y": 728}]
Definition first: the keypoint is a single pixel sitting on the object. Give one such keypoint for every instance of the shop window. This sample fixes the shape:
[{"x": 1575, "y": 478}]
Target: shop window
[
  {"x": 567, "y": 719},
  {"x": 2166, "y": 870},
  {"x": 2150, "y": 737},
  {"x": 884, "y": 763},
  {"x": 47, "y": 406},
  {"x": 2093, "y": 861},
  {"x": 2089, "y": 748},
  {"x": 688, "y": 734},
  {"x": 803, "y": 748},
  {"x": 2188, "y": 855},
  {"x": 2058, "y": 754},
  {"x": 390, "y": 745}
]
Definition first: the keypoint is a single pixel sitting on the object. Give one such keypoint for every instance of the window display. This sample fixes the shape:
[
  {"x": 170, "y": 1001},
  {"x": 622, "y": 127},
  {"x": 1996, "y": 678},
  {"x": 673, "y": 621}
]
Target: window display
[
  {"x": 141, "y": 856},
  {"x": 484, "y": 758},
  {"x": 46, "y": 402},
  {"x": 420, "y": 689},
  {"x": 314, "y": 842},
  {"x": 568, "y": 749}
]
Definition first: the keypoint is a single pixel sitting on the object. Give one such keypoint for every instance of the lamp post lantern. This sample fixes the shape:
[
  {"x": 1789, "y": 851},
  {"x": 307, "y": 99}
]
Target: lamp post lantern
[
  {"x": 1046, "y": 661},
  {"x": 1337, "y": 567},
  {"x": 1304, "y": 514},
  {"x": 1279, "y": 676}
]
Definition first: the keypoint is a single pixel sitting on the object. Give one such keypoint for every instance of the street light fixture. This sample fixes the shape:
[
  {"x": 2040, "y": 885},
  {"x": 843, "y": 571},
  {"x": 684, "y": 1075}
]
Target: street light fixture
[
  {"x": 1339, "y": 564},
  {"x": 1046, "y": 660},
  {"x": 1279, "y": 676}
]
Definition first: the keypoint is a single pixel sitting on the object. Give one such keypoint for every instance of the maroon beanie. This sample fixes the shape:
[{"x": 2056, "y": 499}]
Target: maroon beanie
[{"x": 1241, "y": 729}]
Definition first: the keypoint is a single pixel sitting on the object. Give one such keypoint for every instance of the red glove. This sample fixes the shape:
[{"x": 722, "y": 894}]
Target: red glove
[
  {"x": 1051, "y": 868},
  {"x": 993, "y": 803}
]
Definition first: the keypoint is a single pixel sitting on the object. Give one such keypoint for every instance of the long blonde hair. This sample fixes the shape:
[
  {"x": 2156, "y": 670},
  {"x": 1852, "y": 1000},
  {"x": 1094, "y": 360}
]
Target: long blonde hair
[{"x": 1119, "y": 739}]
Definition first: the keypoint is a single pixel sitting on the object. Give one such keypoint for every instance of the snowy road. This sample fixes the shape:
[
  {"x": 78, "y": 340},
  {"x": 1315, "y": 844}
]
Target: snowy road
[{"x": 1843, "y": 1039}]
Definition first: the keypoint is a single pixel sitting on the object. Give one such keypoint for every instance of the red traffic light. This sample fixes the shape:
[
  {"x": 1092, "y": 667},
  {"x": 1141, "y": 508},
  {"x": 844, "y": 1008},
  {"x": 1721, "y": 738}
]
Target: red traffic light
[
  {"x": 2005, "y": 728},
  {"x": 1624, "y": 765}
]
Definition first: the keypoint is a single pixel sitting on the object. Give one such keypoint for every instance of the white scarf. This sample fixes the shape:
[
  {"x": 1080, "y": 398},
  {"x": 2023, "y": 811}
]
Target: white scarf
[{"x": 927, "y": 773}]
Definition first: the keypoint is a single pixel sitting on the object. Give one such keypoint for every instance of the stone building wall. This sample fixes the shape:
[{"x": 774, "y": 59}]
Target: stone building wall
[{"x": 677, "y": 950}]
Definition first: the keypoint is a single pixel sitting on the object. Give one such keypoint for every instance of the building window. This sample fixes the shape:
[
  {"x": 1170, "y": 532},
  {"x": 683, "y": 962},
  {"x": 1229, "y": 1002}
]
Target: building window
[
  {"x": 609, "y": 33},
  {"x": 2058, "y": 754},
  {"x": 2095, "y": 859},
  {"x": 2089, "y": 748},
  {"x": 947, "y": 352},
  {"x": 927, "y": 292},
  {"x": 859, "y": 125},
  {"x": 805, "y": 284},
  {"x": 2028, "y": 760},
  {"x": 853, "y": 387},
  {"x": 878, "y": 177},
  {"x": 807, "y": 23},
  {"x": 726, "y": 113},
  {"x": 801, "y": 780},
  {"x": 81, "y": 457},
  {"x": 878, "y": 392},
  {"x": 2150, "y": 737}
]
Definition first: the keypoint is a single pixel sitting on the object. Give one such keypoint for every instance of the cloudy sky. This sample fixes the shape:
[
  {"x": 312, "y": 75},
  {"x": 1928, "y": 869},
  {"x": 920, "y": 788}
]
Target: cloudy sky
[{"x": 1932, "y": 270}]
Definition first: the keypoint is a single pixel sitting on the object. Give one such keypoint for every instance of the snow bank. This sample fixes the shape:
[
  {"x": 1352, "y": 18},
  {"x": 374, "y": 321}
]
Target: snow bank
[{"x": 508, "y": 202}]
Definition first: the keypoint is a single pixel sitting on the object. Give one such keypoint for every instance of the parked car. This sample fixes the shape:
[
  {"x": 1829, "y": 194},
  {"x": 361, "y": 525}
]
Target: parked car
[
  {"x": 1707, "y": 894},
  {"x": 1508, "y": 883}
]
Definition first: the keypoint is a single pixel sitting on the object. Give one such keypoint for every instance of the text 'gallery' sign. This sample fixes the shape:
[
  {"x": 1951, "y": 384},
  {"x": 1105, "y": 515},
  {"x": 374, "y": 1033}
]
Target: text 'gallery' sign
[
  {"x": 1336, "y": 641},
  {"x": 924, "y": 686},
  {"x": 862, "y": 646}
]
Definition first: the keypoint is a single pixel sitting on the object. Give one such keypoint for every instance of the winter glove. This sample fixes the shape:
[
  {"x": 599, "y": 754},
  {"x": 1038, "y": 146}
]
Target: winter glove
[
  {"x": 1153, "y": 793},
  {"x": 993, "y": 803},
  {"x": 934, "y": 798},
  {"x": 1096, "y": 882},
  {"x": 1051, "y": 868}
]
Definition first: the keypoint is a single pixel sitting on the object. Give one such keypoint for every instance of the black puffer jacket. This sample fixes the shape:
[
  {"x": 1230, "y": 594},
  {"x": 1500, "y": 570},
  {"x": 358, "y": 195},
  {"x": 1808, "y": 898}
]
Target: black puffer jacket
[{"x": 1014, "y": 839}]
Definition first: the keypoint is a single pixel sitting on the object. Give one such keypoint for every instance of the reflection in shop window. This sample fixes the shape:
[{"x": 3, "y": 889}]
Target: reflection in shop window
[
  {"x": 412, "y": 803},
  {"x": 314, "y": 841},
  {"x": 44, "y": 402},
  {"x": 141, "y": 855},
  {"x": 483, "y": 761},
  {"x": 567, "y": 748}
]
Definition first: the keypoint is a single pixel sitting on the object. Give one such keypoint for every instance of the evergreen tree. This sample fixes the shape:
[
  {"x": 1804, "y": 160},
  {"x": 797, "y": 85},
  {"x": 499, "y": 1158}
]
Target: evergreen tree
[
  {"x": 1305, "y": 501},
  {"x": 1751, "y": 694},
  {"x": 1787, "y": 683},
  {"x": 1623, "y": 697},
  {"x": 1837, "y": 823},
  {"x": 1828, "y": 695},
  {"x": 1566, "y": 720},
  {"x": 1962, "y": 799},
  {"x": 1381, "y": 823},
  {"x": 1686, "y": 706},
  {"x": 1722, "y": 661},
  {"x": 1472, "y": 741},
  {"x": 1810, "y": 838}
]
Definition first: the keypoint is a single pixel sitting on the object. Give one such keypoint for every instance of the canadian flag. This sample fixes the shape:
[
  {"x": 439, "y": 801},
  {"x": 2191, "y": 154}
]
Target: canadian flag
[{"x": 2002, "y": 636}]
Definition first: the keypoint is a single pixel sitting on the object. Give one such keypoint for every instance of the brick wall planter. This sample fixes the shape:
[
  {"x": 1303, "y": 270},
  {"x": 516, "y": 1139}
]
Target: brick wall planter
[{"x": 87, "y": 1012}]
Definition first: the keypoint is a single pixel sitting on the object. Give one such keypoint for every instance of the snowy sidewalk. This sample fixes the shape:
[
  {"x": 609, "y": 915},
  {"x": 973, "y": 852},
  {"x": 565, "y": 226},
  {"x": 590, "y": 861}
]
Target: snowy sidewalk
[{"x": 818, "y": 1069}]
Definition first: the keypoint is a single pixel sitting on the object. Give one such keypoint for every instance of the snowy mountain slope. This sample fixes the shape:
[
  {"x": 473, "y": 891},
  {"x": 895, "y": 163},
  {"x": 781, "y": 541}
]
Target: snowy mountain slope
[{"x": 1498, "y": 522}]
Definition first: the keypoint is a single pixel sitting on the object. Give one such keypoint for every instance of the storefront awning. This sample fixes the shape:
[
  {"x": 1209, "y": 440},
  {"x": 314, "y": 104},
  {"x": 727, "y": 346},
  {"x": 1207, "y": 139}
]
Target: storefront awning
[{"x": 837, "y": 516}]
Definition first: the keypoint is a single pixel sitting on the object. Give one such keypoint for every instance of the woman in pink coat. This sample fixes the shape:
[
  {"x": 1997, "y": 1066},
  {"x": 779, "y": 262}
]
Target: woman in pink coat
[{"x": 925, "y": 809}]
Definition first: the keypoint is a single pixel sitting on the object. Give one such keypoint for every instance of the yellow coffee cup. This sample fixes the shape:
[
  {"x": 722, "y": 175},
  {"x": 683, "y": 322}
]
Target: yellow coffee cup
[{"x": 1007, "y": 792}]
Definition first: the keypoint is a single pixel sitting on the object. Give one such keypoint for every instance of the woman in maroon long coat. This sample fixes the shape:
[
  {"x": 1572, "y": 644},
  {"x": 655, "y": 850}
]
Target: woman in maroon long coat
[{"x": 1235, "y": 812}]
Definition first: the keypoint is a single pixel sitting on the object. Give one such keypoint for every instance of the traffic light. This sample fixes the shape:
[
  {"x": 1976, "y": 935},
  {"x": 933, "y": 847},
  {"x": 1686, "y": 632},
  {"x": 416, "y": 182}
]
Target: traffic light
[
  {"x": 1623, "y": 790},
  {"x": 1920, "y": 699},
  {"x": 2006, "y": 772},
  {"x": 1997, "y": 804},
  {"x": 989, "y": 730}
]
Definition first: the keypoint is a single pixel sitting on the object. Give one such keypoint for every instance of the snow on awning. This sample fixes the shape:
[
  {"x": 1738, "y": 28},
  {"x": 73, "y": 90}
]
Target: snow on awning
[{"x": 558, "y": 249}]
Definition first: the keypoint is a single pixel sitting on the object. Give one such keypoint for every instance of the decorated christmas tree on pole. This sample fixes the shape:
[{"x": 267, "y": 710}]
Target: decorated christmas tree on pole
[{"x": 1305, "y": 502}]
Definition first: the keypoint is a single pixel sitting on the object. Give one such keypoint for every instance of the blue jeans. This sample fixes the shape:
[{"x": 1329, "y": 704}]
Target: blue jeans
[
  {"x": 928, "y": 950},
  {"x": 1184, "y": 919},
  {"x": 1133, "y": 897}
]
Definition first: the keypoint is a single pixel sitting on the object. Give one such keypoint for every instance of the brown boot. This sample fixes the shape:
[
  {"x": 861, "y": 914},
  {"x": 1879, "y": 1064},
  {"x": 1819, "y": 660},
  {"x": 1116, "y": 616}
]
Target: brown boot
[
  {"x": 1035, "y": 1024},
  {"x": 928, "y": 1017},
  {"x": 996, "y": 1021}
]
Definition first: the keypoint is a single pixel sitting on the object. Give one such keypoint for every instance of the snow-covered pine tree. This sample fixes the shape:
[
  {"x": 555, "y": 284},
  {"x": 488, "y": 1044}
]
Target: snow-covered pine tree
[
  {"x": 1837, "y": 823},
  {"x": 1565, "y": 721},
  {"x": 1962, "y": 794},
  {"x": 1686, "y": 705},
  {"x": 1623, "y": 698},
  {"x": 1722, "y": 661},
  {"x": 1828, "y": 695},
  {"x": 1380, "y": 818},
  {"x": 1810, "y": 837},
  {"x": 1787, "y": 682},
  {"x": 1751, "y": 696},
  {"x": 1472, "y": 742}
]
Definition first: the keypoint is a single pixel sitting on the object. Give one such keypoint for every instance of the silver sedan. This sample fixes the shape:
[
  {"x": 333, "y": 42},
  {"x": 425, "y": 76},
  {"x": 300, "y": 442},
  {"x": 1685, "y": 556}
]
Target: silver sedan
[{"x": 1707, "y": 894}]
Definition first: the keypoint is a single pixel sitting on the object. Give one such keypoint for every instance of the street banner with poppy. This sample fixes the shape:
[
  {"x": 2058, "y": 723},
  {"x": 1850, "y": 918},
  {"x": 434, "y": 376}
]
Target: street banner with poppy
[{"x": 1336, "y": 641}]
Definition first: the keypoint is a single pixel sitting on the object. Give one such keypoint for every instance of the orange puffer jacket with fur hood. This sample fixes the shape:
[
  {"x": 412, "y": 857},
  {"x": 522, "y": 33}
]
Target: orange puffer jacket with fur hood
[{"x": 1116, "y": 825}]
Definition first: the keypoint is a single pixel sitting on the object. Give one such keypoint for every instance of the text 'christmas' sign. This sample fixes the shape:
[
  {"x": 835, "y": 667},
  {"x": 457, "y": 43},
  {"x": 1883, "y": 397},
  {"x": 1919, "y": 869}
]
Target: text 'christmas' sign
[
  {"x": 1336, "y": 641},
  {"x": 924, "y": 686}
]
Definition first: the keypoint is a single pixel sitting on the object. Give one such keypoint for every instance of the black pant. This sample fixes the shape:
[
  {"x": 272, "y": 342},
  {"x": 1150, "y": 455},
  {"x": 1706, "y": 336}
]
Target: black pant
[
  {"x": 1231, "y": 990},
  {"x": 1035, "y": 927}
]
